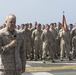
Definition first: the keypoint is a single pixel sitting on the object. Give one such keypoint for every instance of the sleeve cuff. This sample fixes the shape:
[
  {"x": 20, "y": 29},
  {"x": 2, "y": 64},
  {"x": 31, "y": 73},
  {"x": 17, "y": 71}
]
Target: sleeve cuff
[{"x": 4, "y": 47}]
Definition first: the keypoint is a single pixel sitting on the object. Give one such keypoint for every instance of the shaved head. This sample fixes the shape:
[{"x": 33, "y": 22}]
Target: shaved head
[
  {"x": 10, "y": 16},
  {"x": 10, "y": 22}
]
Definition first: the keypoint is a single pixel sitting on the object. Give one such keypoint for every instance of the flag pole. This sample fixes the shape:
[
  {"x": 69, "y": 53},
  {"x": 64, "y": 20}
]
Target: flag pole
[
  {"x": 63, "y": 19},
  {"x": 63, "y": 12}
]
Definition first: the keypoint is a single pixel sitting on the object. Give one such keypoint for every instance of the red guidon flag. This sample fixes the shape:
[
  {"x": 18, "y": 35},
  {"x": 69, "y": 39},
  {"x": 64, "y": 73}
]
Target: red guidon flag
[{"x": 64, "y": 23}]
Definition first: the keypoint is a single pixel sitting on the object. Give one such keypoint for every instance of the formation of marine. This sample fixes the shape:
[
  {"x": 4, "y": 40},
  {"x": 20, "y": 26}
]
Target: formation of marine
[{"x": 48, "y": 42}]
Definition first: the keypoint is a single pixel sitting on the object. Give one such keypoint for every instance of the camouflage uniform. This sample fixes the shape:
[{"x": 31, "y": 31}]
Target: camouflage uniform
[
  {"x": 64, "y": 43},
  {"x": 54, "y": 33},
  {"x": 27, "y": 42},
  {"x": 58, "y": 42},
  {"x": 73, "y": 38},
  {"x": 36, "y": 36},
  {"x": 12, "y": 61},
  {"x": 32, "y": 43},
  {"x": 47, "y": 39}
]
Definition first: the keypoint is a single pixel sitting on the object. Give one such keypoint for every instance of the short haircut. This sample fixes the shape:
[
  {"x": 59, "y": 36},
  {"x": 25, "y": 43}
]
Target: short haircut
[{"x": 10, "y": 16}]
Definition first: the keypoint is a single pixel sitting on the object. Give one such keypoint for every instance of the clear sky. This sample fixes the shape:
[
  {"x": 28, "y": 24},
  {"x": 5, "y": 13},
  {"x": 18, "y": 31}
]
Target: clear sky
[{"x": 42, "y": 11}]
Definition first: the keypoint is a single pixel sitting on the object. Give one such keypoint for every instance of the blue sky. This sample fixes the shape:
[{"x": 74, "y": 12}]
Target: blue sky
[{"x": 42, "y": 11}]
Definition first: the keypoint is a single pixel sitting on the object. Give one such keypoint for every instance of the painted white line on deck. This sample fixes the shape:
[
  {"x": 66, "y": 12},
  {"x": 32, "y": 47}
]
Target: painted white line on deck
[
  {"x": 38, "y": 73},
  {"x": 42, "y": 73},
  {"x": 28, "y": 65}
]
